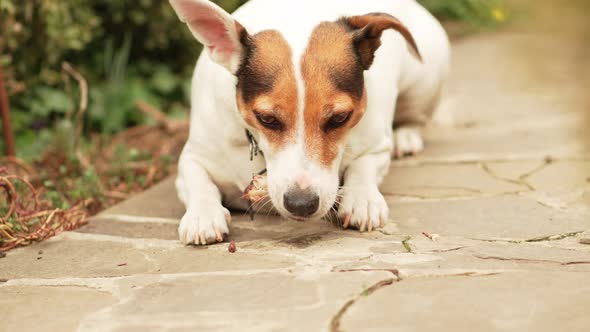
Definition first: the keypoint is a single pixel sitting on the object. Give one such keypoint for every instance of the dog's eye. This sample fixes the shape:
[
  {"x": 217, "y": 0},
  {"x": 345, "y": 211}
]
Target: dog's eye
[
  {"x": 269, "y": 121},
  {"x": 338, "y": 120}
]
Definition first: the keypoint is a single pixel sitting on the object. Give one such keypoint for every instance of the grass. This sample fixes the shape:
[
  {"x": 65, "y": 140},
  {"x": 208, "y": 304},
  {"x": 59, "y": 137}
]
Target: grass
[{"x": 406, "y": 244}]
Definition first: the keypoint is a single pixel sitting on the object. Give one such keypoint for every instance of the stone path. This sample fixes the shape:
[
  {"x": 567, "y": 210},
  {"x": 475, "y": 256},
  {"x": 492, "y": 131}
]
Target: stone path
[{"x": 506, "y": 189}]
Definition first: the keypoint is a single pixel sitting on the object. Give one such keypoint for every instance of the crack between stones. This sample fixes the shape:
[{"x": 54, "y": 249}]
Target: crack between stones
[
  {"x": 89, "y": 287},
  {"x": 424, "y": 199},
  {"x": 543, "y": 204},
  {"x": 467, "y": 189},
  {"x": 395, "y": 272},
  {"x": 447, "y": 250},
  {"x": 83, "y": 281},
  {"x": 472, "y": 193},
  {"x": 335, "y": 322},
  {"x": 526, "y": 260},
  {"x": 548, "y": 238},
  {"x": 548, "y": 161},
  {"x": 522, "y": 179},
  {"x": 520, "y": 182},
  {"x": 555, "y": 237},
  {"x": 336, "y": 319},
  {"x": 473, "y": 161}
]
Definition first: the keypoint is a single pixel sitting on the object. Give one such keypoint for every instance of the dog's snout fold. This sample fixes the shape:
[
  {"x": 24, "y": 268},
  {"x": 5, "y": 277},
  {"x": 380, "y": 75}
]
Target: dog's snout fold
[{"x": 301, "y": 203}]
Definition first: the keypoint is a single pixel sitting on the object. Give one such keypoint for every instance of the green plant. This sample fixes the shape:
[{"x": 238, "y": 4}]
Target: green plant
[
  {"x": 477, "y": 13},
  {"x": 117, "y": 45}
]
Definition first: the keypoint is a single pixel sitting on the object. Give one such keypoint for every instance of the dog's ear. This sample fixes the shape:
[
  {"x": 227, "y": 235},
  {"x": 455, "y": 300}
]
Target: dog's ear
[
  {"x": 222, "y": 36},
  {"x": 367, "y": 31}
]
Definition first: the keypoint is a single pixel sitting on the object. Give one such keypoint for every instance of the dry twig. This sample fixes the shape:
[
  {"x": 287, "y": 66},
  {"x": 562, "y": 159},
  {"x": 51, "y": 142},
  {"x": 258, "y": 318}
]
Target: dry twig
[
  {"x": 169, "y": 125},
  {"x": 81, "y": 110},
  {"x": 23, "y": 224},
  {"x": 5, "y": 111},
  {"x": 19, "y": 163}
]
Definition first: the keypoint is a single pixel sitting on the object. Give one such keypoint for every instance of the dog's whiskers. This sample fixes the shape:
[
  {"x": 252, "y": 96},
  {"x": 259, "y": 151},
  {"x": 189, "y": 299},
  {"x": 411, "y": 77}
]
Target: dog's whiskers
[
  {"x": 266, "y": 202},
  {"x": 254, "y": 206},
  {"x": 335, "y": 218}
]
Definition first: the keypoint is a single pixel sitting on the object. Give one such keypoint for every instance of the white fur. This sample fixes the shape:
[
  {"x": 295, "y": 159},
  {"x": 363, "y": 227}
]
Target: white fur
[
  {"x": 215, "y": 166},
  {"x": 407, "y": 140}
]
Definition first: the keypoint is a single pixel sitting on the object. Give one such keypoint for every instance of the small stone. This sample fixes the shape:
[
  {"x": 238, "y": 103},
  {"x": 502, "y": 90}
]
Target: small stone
[
  {"x": 40, "y": 252},
  {"x": 232, "y": 247},
  {"x": 2, "y": 280},
  {"x": 549, "y": 160},
  {"x": 38, "y": 258},
  {"x": 2, "y": 254},
  {"x": 432, "y": 237},
  {"x": 585, "y": 240}
]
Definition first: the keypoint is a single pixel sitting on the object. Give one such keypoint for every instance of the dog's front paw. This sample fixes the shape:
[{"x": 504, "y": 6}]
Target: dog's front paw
[
  {"x": 362, "y": 208},
  {"x": 204, "y": 224}
]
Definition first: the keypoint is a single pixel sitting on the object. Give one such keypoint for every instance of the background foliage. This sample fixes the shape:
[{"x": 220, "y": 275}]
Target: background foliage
[{"x": 128, "y": 50}]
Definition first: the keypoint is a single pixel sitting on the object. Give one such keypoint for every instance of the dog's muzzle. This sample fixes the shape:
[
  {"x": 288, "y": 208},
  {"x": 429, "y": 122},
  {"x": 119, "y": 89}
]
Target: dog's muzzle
[{"x": 301, "y": 203}]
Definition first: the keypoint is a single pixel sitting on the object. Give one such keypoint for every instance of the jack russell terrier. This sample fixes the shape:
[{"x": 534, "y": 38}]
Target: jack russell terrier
[{"x": 328, "y": 90}]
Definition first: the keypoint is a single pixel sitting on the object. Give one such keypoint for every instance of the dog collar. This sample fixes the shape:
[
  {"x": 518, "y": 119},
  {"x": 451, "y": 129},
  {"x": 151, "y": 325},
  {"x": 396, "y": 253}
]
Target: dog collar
[{"x": 254, "y": 150}]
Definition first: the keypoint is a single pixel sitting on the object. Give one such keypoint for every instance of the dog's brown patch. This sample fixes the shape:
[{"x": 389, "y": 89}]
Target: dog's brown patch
[
  {"x": 333, "y": 80},
  {"x": 266, "y": 84},
  {"x": 367, "y": 31}
]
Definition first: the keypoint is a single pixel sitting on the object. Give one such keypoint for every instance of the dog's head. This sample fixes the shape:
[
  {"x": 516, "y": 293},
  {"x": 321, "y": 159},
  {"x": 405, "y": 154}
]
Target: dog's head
[{"x": 302, "y": 105}]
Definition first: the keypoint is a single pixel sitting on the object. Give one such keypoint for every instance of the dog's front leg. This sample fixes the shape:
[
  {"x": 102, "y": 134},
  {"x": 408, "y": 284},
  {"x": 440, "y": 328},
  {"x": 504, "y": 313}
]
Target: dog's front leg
[
  {"x": 205, "y": 220},
  {"x": 362, "y": 205}
]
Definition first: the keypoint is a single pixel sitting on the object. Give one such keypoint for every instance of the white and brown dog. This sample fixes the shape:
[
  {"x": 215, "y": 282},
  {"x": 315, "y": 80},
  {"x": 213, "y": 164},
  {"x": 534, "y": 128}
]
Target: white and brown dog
[{"x": 320, "y": 85}]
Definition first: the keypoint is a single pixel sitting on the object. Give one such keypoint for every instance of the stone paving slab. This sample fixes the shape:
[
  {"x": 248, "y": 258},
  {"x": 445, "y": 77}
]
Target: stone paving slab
[
  {"x": 80, "y": 256},
  {"x": 504, "y": 187},
  {"x": 506, "y": 216},
  {"x": 158, "y": 202},
  {"x": 50, "y": 308},
  {"x": 516, "y": 301},
  {"x": 562, "y": 175},
  {"x": 445, "y": 180}
]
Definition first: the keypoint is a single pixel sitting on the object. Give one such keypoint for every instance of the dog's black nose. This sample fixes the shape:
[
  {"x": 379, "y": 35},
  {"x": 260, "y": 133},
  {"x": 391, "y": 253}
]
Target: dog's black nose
[{"x": 301, "y": 203}]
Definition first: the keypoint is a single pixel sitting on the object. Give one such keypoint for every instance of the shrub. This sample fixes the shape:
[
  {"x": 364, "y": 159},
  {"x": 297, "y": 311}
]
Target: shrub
[{"x": 127, "y": 50}]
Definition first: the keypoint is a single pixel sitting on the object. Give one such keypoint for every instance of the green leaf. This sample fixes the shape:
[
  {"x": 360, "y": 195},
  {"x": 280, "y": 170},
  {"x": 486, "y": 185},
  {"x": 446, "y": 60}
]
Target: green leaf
[
  {"x": 6, "y": 5},
  {"x": 163, "y": 80},
  {"x": 54, "y": 100}
]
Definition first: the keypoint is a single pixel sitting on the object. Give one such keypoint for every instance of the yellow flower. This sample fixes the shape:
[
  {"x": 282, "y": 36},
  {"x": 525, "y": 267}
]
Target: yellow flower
[{"x": 498, "y": 15}]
